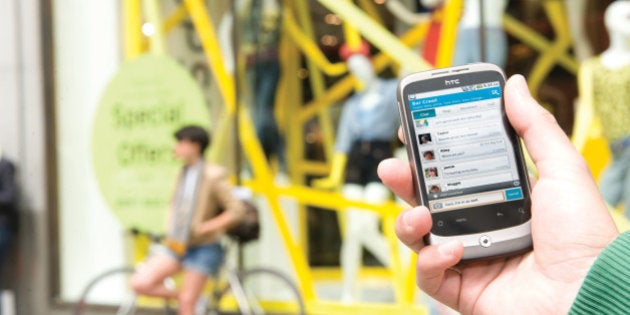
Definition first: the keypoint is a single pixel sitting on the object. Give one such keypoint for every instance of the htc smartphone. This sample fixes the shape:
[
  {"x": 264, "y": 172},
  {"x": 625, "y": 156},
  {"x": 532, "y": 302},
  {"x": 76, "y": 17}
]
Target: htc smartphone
[{"x": 466, "y": 159}]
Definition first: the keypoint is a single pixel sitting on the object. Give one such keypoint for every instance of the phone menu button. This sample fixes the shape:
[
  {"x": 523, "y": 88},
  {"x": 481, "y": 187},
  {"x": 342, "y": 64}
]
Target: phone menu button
[{"x": 485, "y": 241}]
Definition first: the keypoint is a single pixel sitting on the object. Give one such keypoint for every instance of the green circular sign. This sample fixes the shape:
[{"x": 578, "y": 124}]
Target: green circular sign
[{"x": 144, "y": 104}]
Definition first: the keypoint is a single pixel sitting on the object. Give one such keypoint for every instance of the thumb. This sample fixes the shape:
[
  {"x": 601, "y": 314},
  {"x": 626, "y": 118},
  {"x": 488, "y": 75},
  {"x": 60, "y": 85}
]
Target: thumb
[{"x": 544, "y": 139}]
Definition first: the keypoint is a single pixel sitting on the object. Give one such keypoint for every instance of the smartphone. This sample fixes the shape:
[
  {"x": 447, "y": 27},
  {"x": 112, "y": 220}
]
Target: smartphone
[{"x": 466, "y": 159}]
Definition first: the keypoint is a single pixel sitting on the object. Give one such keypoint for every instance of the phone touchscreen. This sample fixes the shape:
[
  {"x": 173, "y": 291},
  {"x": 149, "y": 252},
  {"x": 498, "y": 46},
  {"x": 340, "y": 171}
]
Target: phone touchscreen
[{"x": 467, "y": 157}]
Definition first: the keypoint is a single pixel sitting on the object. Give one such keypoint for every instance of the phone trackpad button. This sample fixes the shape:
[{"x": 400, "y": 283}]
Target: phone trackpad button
[{"x": 485, "y": 241}]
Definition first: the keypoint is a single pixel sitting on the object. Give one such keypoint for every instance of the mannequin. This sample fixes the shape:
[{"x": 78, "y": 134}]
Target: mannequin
[
  {"x": 468, "y": 44},
  {"x": 605, "y": 86},
  {"x": 368, "y": 124},
  {"x": 576, "y": 10},
  {"x": 260, "y": 39}
]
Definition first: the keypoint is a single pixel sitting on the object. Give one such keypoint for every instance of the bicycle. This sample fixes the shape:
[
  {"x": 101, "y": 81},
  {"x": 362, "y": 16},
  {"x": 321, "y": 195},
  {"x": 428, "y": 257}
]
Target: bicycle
[{"x": 240, "y": 283}]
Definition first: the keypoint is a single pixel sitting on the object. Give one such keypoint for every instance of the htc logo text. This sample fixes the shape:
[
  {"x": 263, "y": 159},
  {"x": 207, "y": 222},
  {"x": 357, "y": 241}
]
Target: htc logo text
[{"x": 451, "y": 82}]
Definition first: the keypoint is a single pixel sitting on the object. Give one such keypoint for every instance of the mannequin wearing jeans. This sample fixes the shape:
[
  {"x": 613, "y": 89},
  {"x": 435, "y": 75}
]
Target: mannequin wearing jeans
[
  {"x": 368, "y": 125},
  {"x": 260, "y": 39},
  {"x": 468, "y": 44}
]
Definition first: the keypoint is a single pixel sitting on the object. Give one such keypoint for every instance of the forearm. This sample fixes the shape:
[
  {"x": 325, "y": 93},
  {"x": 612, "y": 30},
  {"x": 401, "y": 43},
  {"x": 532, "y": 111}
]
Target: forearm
[
  {"x": 606, "y": 288},
  {"x": 216, "y": 224}
]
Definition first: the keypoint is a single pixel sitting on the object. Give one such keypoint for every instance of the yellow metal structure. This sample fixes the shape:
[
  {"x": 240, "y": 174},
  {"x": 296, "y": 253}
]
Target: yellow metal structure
[
  {"x": 552, "y": 52},
  {"x": 448, "y": 33},
  {"x": 297, "y": 39}
]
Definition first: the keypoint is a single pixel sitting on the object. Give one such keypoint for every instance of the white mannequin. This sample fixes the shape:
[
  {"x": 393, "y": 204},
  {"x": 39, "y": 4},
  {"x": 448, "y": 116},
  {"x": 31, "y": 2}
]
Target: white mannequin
[
  {"x": 617, "y": 20},
  {"x": 576, "y": 10},
  {"x": 604, "y": 83},
  {"x": 496, "y": 45},
  {"x": 361, "y": 226}
]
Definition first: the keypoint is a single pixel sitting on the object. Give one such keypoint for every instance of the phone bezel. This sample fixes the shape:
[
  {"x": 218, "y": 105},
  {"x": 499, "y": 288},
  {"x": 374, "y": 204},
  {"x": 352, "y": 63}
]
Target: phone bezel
[{"x": 471, "y": 220}]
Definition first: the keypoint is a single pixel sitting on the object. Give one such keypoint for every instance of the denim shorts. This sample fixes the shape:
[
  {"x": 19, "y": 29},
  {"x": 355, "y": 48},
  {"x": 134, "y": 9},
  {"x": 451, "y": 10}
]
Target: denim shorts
[{"x": 205, "y": 258}]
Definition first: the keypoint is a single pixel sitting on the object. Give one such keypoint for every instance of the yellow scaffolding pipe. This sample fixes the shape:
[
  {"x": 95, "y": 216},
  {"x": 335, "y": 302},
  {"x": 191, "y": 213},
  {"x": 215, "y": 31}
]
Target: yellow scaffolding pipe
[
  {"x": 133, "y": 27},
  {"x": 207, "y": 35},
  {"x": 345, "y": 85},
  {"x": 376, "y": 34},
  {"x": 369, "y": 7},
  {"x": 176, "y": 18},
  {"x": 264, "y": 183},
  {"x": 153, "y": 15},
  {"x": 307, "y": 45},
  {"x": 557, "y": 15},
  {"x": 448, "y": 33}
]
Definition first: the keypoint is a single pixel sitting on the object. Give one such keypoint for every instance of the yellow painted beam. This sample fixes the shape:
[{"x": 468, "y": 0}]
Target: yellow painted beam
[
  {"x": 370, "y": 8},
  {"x": 557, "y": 15},
  {"x": 207, "y": 34},
  {"x": 311, "y": 49},
  {"x": 448, "y": 33},
  {"x": 153, "y": 15},
  {"x": 531, "y": 38},
  {"x": 324, "y": 199},
  {"x": 177, "y": 17},
  {"x": 343, "y": 87},
  {"x": 353, "y": 39},
  {"x": 264, "y": 182},
  {"x": 132, "y": 28},
  {"x": 377, "y": 35}
]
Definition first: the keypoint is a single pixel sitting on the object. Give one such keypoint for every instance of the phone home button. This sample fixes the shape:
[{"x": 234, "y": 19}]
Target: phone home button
[{"x": 485, "y": 241}]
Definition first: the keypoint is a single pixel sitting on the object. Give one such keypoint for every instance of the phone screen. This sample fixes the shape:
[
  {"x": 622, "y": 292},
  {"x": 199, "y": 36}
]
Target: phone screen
[{"x": 467, "y": 154}]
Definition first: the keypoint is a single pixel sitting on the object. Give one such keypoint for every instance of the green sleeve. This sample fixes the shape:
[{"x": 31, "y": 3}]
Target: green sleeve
[{"x": 606, "y": 288}]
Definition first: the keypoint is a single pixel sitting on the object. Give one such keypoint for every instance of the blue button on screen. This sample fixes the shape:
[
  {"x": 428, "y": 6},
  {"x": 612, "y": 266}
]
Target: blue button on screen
[
  {"x": 513, "y": 194},
  {"x": 424, "y": 114}
]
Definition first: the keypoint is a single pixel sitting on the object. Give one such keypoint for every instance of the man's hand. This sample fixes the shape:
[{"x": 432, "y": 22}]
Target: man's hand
[{"x": 570, "y": 227}]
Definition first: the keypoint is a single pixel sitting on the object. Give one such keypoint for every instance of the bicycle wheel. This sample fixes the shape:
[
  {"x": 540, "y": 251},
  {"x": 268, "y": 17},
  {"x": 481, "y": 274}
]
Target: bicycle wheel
[
  {"x": 264, "y": 289},
  {"x": 128, "y": 305}
]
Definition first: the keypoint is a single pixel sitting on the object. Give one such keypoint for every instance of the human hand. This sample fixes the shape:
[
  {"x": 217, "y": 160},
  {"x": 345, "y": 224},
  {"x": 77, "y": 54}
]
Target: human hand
[{"x": 570, "y": 227}]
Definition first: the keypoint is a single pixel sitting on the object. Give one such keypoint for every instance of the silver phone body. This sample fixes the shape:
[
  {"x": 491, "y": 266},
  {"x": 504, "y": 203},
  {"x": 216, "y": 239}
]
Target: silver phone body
[{"x": 488, "y": 241}]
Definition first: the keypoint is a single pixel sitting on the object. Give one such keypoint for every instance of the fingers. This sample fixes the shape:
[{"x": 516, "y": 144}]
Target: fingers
[
  {"x": 412, "y": 225},
  {"x": 434, "y": 275},
  {"x": 396, "y": 175},
  {"x": 400, "y": 135},
  {"x": 544, "y": 139}
]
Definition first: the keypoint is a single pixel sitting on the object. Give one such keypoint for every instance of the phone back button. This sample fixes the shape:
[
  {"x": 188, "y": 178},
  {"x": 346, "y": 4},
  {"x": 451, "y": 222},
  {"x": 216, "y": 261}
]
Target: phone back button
[{"x": 485, "y": 241}]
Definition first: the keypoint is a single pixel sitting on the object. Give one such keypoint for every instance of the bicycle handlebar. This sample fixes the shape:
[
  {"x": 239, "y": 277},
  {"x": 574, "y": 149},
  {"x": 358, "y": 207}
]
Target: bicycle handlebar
[{"x": 154, "y": 237}]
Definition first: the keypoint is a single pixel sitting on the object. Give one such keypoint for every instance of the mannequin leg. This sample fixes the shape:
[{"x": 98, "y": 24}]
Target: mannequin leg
[
  {"x": 372, "y": 238},
  {"x": 362, "y": 229},
  {"x": 351, "y": 247}
]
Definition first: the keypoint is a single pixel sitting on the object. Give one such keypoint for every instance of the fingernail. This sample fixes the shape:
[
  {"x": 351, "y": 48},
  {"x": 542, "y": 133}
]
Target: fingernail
[
  {"x": 448, "y": 249},
  {"x": 521, "y": 86}
]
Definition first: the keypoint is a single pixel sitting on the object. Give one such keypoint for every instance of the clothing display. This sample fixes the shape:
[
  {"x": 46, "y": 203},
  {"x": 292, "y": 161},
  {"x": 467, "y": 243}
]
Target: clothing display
[
  {"x": 468, "y": 46},
  {"x": 606, "y": 288},
  {"x": 366, "y": 155},
  {"x": 611, "y": 102},
  {"x": 468, "y": 43},
  {"x": 379, "y": 121},
  {"x": 260, "y": 41},
  {"x": 611, "y": 99}
]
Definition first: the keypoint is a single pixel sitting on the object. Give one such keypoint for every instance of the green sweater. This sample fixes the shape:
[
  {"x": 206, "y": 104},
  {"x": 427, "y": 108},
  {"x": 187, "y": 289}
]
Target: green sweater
[{"x": 606, "y": 288}]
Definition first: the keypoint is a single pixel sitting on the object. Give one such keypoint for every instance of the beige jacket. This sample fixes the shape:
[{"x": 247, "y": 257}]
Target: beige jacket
[{"x": 214, "y": 193}]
